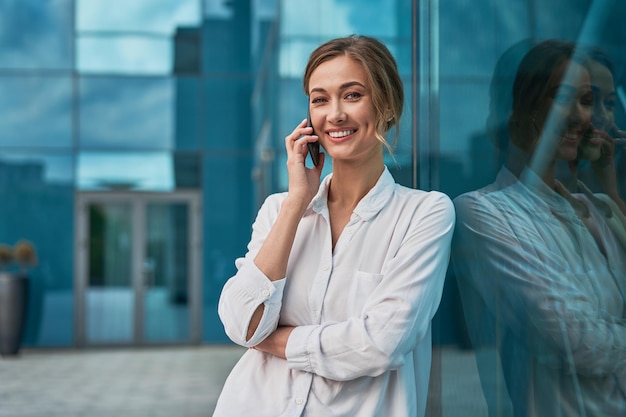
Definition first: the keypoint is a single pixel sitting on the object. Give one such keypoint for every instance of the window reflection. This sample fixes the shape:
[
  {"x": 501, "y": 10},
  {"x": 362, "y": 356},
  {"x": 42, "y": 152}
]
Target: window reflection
[
  {"x": 35, "y": 170},
  {"x": 334, "y": 18},
  {"x": 156, "y": 16},
  {"x": 134, "y": 37},
  {"x": 218, "y": 9},
  {"x": 126, "y": 113},
  {"x": 124, "y": 54},
  {"x": 36, "y": 34},
  {"x": 48, "y": 121},
  {"x": 137, "y": 171}
]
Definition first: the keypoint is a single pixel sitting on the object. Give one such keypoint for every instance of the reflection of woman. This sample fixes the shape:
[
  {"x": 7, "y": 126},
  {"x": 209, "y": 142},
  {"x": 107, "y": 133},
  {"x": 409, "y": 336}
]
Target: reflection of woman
[
  {"x": 341, "y": 280},
  {"x": 545, "y": 266},
  {"x": 598, "y": 169}
]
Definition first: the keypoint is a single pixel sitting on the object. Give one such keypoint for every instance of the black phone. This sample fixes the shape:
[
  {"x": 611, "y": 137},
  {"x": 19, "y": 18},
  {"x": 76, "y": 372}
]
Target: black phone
[{"x": 314, "y": 147}]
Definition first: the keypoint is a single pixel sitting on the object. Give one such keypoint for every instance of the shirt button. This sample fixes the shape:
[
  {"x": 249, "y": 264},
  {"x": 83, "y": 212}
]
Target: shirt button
[
  {"x": 299, "y": 401},
  {"x": 326, "y": 267},
  {"x": 265, "y": 293}
]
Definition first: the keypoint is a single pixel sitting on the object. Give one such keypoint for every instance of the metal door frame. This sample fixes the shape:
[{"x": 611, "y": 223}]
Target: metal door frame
[{"x": 139, "y": 202}]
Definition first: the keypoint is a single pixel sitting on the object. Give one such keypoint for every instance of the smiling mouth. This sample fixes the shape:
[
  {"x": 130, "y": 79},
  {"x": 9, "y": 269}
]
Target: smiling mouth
[{"x": 341, "y": 134}]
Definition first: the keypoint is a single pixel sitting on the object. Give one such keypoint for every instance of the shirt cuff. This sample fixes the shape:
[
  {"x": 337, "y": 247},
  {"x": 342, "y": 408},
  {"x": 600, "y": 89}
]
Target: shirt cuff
[{"x": 297, "y": 350}]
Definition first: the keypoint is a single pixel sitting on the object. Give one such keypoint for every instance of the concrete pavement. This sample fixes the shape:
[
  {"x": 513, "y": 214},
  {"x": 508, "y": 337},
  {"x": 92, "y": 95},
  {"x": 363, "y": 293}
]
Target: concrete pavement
[{"x": 173, "y": 382}]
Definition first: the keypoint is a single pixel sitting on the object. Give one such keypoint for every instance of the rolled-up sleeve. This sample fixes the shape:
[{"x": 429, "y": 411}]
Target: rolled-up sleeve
[{"x": 249, "y": 288}]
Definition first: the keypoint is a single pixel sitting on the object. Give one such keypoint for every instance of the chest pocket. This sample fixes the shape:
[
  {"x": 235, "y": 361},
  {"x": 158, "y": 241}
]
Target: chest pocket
[{"x": 362, "y": 286}]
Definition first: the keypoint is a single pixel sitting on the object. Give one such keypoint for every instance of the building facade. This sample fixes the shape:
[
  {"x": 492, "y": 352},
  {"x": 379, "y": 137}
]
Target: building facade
[{"x": 138, "y": 138}]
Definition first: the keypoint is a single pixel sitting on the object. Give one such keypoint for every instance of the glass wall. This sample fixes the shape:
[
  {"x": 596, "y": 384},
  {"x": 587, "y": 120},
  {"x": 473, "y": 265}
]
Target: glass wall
[{"x": 518, "y": 302}]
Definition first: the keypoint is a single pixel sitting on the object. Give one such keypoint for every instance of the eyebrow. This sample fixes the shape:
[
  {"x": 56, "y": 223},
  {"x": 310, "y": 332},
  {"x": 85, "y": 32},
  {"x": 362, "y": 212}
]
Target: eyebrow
[
  {"x": 595, "y": 88},
  {"x": 341, "y": 87}
]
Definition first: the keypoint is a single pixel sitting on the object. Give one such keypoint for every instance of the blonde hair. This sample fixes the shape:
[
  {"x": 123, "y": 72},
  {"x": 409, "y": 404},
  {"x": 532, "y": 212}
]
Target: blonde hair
[{"x": 382, "y": 73}]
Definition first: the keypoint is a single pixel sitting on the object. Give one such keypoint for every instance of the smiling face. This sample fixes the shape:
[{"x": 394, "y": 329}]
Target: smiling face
[
  {"x": 565, "y": 113},
  {"x": 604, "y": 96},
  {"x": 342, "y": 110}
]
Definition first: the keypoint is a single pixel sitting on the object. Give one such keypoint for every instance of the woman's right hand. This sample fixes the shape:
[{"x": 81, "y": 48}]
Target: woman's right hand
[{"x": 303, "y": 182}]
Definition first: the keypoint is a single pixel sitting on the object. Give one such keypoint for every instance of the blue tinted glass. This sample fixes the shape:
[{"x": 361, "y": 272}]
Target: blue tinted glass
[
  {"x": 327, "y": 19},
  {"x": 36, "y": 34},
  {"x": 226, "y": 44},
  {"x": 125, "y": 171},
  {"x": 124, "y": 54},
  {"x": 227, "y": 121},
  {"x": 218, "y": 9},
  {"x": 228, "y": 216},
  {"x": 524, "y": 236},
  {"x": 133, "y": 37},
  {"x": 37, "y": 197},
  {"x": 187, "y": 120},
  {"x": 126, "y": 113},
  {"x": 157, "y": 16},
  {"x": 137, "y": 171},
  {"x": 36, "y": 111}
]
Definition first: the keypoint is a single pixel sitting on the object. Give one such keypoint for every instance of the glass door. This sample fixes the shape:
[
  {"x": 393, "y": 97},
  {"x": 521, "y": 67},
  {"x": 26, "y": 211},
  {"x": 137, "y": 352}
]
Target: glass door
[
  {"x": 166, "y": 272},
  {"x": 139, "y": 257}
]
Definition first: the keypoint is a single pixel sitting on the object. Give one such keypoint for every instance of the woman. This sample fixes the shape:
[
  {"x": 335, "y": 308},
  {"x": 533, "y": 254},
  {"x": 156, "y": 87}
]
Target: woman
[
  {"x": 341, "y": 280},
  {"x": 600, "y": 169},
  {"x": 545, "y": 266}
]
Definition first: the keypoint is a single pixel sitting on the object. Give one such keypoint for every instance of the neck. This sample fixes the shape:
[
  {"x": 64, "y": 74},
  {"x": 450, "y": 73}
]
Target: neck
[{"x": 350, "y": 183}]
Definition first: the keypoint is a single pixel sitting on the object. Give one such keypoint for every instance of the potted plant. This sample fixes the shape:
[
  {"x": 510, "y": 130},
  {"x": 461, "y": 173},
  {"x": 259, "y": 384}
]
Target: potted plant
[{"x": 14, "y": 264}]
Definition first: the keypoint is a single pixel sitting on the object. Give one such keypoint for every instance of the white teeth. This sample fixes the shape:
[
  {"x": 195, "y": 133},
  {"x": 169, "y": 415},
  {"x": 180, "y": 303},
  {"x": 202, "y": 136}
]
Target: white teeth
[{"x": 340, "y": 134}]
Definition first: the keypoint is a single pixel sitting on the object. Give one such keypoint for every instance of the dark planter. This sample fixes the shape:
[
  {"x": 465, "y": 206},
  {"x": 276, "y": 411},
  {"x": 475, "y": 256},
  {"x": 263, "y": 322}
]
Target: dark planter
[{"x": 13, "y": 299}]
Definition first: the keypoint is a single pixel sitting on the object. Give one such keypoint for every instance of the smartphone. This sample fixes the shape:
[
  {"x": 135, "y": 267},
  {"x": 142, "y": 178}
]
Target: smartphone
[{"x": 314, "y": 147}]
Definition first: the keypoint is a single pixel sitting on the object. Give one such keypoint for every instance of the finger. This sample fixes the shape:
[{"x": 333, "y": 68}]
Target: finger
[
  {"x": 296, "y": 134},
  {"x": 620, "y": 141}
]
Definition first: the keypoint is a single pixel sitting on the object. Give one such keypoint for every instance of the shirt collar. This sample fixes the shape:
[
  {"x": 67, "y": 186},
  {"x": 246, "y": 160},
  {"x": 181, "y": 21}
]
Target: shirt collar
[{"x": 369, "y": 205}]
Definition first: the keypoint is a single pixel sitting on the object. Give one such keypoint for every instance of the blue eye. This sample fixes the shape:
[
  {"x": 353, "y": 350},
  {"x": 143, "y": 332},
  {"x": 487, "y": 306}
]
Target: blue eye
[{"x": 353, "y": 96}]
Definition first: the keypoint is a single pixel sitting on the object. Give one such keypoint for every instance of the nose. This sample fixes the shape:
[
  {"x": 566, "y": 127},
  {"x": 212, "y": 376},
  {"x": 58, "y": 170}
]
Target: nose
[{"x": 336, "y": 114}]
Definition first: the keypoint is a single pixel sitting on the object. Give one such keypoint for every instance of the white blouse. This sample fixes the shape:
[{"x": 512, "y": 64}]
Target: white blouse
[
  {"x": 554, "y": 291},
  {"x": 362, "y": 345}
]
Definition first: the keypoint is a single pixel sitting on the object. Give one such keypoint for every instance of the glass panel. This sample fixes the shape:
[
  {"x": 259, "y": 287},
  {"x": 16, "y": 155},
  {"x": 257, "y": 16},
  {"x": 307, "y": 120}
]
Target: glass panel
[
  {"x": 334, "y": 18},
  {"x": 34, "y": 189},
  {"x": 36, "y": 34},
  {"x": 110, "y": 296},
  {"x": 133, "y": 37},
  {"x": 124, "y": 55},
  {"x": 187, "y": 119},
  {"x": 157, "y": 16},
  {"x": 127, "y": 113},
  {"x": 36, "y": 170},
  {"x": 166, "y": 272},
  {"x": 138, "y": 171},
  {"x": 517, "y": 241},
  {"x": 227, "y": 230},
  {"x": 36, "y": 112},
  {"x": 218, "y": 9},
  {"x": 227, "y": 121}
]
